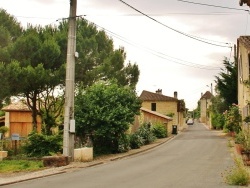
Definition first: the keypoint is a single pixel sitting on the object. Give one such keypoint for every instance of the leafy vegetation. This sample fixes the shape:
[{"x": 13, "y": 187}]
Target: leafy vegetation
[
  {"x": 159, "y": 130},
  {"x": 237, "y": 175},
  {"x": 104, "y": 111},
  {"x": 227, "y": 83},
  {"x": 39, "y": 145},
  {"x": 9, "y": 166},
  {"x": 233, "y": 119},
  {"x": 38, "y": 56}
]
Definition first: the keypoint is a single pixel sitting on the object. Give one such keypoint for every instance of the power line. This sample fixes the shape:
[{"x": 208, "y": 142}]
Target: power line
[
  {"x": 182, "y": 33},
  {"x": 217, "y": 6},
  {"x": 160, "y": 54}
]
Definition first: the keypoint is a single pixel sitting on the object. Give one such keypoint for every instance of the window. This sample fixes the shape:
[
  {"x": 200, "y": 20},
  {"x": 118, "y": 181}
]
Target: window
[
  {"x": 240, "y": 69},
  {"x": 248, "y": 66},
  {"x": 153, "y": 106}
]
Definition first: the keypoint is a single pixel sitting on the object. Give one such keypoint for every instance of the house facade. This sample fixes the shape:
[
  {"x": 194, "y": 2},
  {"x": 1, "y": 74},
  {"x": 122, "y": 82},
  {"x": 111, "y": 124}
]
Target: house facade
[
  {"x": 243, "y": 55},
  {"x": 148, "y": 116},
  {"x": 165, "y": 105},
  {"x": 205, "y": 102},
  {"x": 19, "y": 120}
]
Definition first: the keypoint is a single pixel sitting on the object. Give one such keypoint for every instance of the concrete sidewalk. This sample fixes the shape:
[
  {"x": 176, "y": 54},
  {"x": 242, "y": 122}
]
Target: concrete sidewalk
[{"x": 6, "y": 179}]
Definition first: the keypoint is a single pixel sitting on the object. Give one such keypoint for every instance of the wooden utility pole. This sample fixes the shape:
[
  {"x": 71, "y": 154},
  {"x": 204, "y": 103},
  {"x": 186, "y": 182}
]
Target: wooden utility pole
[{"x": 69, "y": 122}]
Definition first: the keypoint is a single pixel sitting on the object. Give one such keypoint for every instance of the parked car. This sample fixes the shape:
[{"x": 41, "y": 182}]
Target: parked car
[{"x": 190, "y": 121}]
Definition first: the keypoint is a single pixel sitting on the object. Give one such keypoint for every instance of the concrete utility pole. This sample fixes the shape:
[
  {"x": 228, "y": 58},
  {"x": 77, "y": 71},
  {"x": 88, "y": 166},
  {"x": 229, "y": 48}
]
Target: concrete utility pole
[{"x": 69, "y": 122}]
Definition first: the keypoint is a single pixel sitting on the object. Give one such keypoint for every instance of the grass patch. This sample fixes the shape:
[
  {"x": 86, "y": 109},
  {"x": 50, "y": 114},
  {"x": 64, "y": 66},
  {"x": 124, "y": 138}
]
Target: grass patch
[
  {"x": 8, "y": 166},
  {"x": 237, "y": 175}
]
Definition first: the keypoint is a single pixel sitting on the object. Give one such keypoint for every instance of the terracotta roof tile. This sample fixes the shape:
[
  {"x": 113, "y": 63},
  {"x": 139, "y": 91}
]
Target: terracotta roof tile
[
  {"x": 207, "y": 95},
  {"x": 150, "y": 96}
]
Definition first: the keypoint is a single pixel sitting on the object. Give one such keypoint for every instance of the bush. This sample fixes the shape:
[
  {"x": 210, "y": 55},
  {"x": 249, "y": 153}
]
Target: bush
[
  {"x": 233, "y": 119},
  {"x": 159, "y": 131},
  {"x": 146, "y": 133},
  {"x": 136, "y": 141},
  {"x": 39, "y": 145},
  {"x": 123, "y": 144},
  {"x": 237, "y": 175},
  {"x": 218, "y": 121}
]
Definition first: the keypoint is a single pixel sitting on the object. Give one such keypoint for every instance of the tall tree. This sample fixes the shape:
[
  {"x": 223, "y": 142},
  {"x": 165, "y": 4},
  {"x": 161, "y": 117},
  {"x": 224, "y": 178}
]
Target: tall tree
[
  {"x": 38, "y": 57},
  {"x": 36, "y": 66},
  {"x": 227, "y": 83},
  {"x": 10, "y": 30},
  {"x": 98, "y": 60}
]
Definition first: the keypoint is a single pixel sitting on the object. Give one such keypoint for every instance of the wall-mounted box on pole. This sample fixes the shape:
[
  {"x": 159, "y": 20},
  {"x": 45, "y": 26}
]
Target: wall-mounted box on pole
[{"x": 72, "y": 127}]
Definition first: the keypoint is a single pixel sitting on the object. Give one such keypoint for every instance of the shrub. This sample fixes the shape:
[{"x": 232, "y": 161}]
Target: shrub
[
  {"x": 238, "y": 175},
  {"x": 218, "y": 121},
  {"x": 240, "y": 138},
  {"x": 39, "y": 145},
  {"x": 136, "y": 141},
  {"x": 146, "y": 133},
  {"x": 123, "y": 144},
  {"x": 233, "y": 119},
  {"x": 159, "y": 131}
]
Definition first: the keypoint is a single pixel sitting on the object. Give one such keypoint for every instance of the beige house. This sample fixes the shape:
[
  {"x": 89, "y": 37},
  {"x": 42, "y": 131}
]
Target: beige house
[
  {"x": 243, "y": 55},
  {"x": 168, "y": 106},
  {"x": 148, "y": 116},
  {"x": 19, "y": 120},
  {"x": 205, "y": 102}
]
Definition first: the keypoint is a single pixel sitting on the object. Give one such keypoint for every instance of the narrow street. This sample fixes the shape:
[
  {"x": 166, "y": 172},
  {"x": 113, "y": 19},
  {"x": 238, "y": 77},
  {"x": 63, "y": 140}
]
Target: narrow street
[{"x": 195, "y": 158}]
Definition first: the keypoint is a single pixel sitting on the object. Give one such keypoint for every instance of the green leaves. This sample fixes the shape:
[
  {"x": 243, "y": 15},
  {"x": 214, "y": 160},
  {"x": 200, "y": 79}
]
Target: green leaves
[{"x": 105, "y": 111}]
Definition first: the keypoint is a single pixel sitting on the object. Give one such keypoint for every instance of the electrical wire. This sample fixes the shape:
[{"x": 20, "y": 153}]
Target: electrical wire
[
  {"x": 217, "y": 6},
  {"x": 180, "y": 32},
  {"x": 159, "y": 54}
]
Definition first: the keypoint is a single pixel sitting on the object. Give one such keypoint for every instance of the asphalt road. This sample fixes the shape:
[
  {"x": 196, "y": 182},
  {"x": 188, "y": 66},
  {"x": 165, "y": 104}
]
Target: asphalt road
[{"x": 193, "y": 159}]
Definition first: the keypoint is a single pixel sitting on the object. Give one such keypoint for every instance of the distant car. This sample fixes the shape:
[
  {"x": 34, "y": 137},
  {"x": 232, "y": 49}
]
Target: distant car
[{"x": 190, "y": 121}]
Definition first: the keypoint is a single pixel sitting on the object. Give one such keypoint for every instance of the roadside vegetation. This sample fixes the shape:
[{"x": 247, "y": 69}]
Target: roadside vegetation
[
  {"x": 10, "y": 166},
  {"x": 237, "y": 174}
]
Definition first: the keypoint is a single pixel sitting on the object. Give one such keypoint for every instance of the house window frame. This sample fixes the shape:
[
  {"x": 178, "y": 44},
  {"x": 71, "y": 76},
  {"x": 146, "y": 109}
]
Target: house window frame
[
  {"x": 240, "y": 69},
  {"x": 153, "y": 106}
]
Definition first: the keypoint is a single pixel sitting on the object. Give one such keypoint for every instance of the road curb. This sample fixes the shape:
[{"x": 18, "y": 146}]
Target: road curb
[{"x": 75, "y": 166}]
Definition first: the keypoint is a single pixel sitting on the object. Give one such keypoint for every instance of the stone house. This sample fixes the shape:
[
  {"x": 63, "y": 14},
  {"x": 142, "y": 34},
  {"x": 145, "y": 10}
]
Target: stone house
[
  {"x": 243, "y": 55},
  {"x": 165, "y": 105},
  {"x": 148, "y": 116},
  {"x": 19, "y": 120},
  {"x": 205, "y": 102}
]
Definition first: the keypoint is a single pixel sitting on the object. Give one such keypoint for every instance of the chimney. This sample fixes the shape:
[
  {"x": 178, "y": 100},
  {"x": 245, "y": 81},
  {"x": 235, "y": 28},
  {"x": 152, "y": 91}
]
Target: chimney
[
  {"x": 175, "y": 95},
  {"x": 159, "y": 91}
]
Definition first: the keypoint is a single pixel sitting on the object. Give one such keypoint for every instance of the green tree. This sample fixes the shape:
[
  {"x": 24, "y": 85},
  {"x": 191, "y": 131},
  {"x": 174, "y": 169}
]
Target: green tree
[
  {"x": 217, "y": 109},
  {"x": 35, "y": 67},
  {"x": 98, "y": 60},
  {"x": 227, "y": 83},
  {"x": 38, "y": 57},
  {"x": 104, "y": 111}
]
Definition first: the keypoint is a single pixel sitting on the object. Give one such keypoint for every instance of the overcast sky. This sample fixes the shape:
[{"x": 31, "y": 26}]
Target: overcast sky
[{"x": 161, "y": 43}]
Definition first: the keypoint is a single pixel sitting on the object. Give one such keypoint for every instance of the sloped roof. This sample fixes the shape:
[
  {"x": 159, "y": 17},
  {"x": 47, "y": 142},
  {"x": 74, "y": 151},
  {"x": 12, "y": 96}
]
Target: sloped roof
[
  {"x": 207, "y": 95},
  {"x": 245, "y": 40},
  {"x": 156, "y": 113},
  {"x": 18, "y": 106},
  {"x": 150, "y": 96}
]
